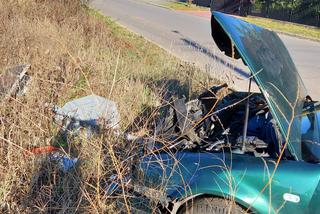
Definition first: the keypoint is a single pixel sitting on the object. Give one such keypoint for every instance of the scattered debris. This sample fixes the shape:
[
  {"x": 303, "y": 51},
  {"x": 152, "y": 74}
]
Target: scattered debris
[
  {"x": 41, "y": 150},
  {"x": 64, "y": 163},
  {"x": 88, "y": 112},
  {"x": 14, "y": 80},
  {"x": 113, "y": 184}
]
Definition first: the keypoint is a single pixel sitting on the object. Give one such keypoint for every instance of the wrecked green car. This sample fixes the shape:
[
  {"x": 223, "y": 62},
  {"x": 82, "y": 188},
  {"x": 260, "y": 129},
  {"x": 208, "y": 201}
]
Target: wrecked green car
[{"x": 237, "y": 152}]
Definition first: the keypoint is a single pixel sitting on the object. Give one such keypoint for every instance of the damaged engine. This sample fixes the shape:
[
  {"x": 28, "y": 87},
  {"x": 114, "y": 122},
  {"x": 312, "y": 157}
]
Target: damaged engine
[{"x": 215, "y": 121}]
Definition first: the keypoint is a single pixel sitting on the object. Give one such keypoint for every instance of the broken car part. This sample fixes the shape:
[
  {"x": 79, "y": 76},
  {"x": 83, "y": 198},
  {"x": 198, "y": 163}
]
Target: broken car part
[
  {"x": 282, "y": 123},
  {"x": 64, "y": 162},
  {"x": 41, "y": 150},
  {"x": 14, "y": 80}
]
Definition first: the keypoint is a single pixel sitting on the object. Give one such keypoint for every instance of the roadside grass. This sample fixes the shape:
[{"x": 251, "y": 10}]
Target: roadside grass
[
  {"x": 285, "y": 27},
  {"x": 184, "y": 6},
  {"x": 272, "y": 24},
  {"x": 75, "y": 51}
]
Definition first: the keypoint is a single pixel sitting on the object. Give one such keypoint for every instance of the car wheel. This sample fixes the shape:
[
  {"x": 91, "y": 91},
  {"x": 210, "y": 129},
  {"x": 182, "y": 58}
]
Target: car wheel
[{"x": 210, "y": 205}]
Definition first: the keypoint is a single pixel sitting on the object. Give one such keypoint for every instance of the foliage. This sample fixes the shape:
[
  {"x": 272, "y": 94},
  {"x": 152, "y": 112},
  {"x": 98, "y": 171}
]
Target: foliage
[{"x": 294, "y": 9}]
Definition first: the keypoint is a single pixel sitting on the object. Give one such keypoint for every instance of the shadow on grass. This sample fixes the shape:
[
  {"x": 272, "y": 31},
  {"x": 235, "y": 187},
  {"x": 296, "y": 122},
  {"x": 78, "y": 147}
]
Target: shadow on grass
[{"x": 167, "y": 89}]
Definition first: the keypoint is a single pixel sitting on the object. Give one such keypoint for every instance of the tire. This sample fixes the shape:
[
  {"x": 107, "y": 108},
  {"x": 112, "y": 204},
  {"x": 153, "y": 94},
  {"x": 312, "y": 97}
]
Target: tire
[{"x": 206, "y": 205}]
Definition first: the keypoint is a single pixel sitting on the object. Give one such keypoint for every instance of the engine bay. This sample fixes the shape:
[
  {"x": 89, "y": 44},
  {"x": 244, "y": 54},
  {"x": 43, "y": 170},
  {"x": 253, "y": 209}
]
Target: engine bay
[{"x": 214, "y": 122}]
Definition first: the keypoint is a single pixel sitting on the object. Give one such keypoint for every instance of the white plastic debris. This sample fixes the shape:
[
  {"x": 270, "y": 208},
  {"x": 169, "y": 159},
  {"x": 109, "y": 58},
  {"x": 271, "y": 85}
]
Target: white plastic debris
[{"x": 87, "y": 112}]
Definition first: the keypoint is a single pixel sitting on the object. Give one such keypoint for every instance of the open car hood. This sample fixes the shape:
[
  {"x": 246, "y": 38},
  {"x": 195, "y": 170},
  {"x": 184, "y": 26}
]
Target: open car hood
[{"x": 274, "y": 72}]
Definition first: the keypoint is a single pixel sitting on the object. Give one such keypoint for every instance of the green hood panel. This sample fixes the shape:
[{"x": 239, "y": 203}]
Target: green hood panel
[{"x": 274, "y": 72}]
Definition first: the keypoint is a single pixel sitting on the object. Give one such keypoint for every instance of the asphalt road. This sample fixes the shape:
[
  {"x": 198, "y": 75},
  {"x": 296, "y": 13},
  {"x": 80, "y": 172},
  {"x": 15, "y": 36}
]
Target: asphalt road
[{"x": 188, "y": 37}]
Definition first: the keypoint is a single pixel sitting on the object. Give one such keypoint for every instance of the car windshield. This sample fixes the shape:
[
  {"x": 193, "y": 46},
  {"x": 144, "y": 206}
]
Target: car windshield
[{"x": 274, "y": 72}]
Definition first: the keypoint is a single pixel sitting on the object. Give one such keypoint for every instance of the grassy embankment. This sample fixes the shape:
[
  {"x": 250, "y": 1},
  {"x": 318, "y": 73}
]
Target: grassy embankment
[
  {"x": 185, "y": 6},
  {"x": 75, "y": 51},
  {"x": 279, "y": 26},
  {"x": 285, "y": 27}
]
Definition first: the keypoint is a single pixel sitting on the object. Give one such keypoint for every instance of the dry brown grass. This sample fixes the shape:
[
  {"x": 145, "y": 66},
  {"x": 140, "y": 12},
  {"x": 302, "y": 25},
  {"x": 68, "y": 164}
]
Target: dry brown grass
[{"x": 73, "y": 52}]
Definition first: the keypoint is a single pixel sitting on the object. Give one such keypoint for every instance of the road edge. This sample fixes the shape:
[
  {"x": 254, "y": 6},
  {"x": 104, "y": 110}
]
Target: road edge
[{"x": 277, "y": 31}]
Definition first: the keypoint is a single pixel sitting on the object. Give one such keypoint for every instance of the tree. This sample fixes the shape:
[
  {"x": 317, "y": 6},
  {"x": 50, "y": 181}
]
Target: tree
[
  {"x": 317, "y": 12},
  {"x": 292, "y": 5}
]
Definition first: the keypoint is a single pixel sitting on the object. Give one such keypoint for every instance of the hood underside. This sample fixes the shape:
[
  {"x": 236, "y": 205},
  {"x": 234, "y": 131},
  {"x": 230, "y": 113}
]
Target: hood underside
[{"x": 274, "y": 72}]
